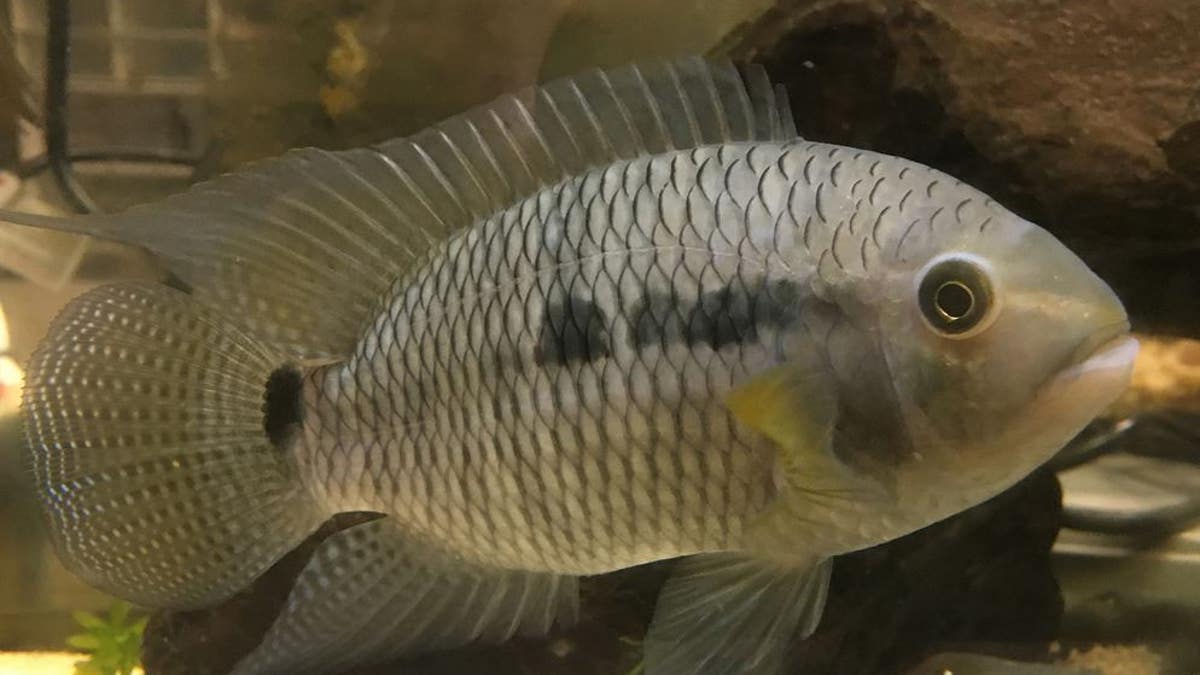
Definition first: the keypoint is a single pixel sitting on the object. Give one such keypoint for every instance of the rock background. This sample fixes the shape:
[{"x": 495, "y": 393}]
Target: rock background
[{"x": 1081, "y": 115}]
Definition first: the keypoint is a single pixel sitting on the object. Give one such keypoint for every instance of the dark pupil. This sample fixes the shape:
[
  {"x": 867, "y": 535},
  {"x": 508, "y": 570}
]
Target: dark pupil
[
  {"x": 954, "y": 300},
  {"x": 954, "y": 296}
]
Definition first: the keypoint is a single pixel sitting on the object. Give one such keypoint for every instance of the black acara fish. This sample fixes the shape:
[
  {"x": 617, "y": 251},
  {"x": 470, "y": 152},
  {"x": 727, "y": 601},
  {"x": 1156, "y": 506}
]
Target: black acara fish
[{"x": 618, "y": 318}]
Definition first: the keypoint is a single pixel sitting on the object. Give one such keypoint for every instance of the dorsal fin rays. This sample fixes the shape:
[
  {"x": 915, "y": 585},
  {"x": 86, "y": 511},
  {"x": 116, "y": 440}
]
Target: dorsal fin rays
[
  {"x": 505, "y": 134},
  {"x": 492, "y": 161},
  {"x": 655, "y": 110},
  {"x": 526, "y": 117},
  {"x": 353, "y": 222},
  {"x": 551, "y": 106},
  {"x": 467, "y": 168},
  {"x": 766, "y": 118},
  {"x": 389, "y": 211},
  {"x": 639, "y": 145},
  {"x": 720, "y": 114},
  {"x": 688, "y": 113},
  {"x": 786, "y": 119},
  {"x": 448, "y": 187},
  {"x": 400, "y": 185}
]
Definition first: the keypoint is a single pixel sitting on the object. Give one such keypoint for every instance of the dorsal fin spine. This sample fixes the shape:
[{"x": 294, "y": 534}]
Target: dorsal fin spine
[
  {"x": 722, "y": 115},
  {"x": 784, "y": 103},
  {"x": 537, "y": 133},
  {"x": 688, "y": 111},
  {"x": 466, "y": 165},
  {"x": 488, "y": 153},
  {"x": 516, "y": 149},
  {"x": 773, "y": 112},
  {"x": 609, "y": 148},
  {"x": 380, "y": 197},
  {"x": 759, "y": 85},
  {"x": 747, "y": 112},
  {"x": 638, "y": 141},
  {"x": 417, "y": 191},
  {"x": 402, "y": 218},
  {"x": 552, "y": 104},
  {"x": 655, "y": 109},
  {"x": 363, "y": 215},
  {"x": 448, "y": 187}
]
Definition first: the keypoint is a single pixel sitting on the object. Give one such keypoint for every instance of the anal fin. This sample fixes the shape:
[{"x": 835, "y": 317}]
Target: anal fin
[
  {"x": 371, "y": 594},
  {"x": 730, "y": 614}
]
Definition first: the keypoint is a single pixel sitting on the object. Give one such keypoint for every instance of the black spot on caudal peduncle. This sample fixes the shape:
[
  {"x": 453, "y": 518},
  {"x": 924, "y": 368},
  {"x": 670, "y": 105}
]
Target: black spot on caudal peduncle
[
  {"x": 283, "y": 406},
  {"x": 573, "y": 329}
]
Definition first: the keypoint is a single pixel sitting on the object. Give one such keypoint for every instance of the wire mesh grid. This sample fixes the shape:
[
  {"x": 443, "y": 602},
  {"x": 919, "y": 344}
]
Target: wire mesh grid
[
  {"x": 141, "y": 71},
  {"x": 144, "y": 47}
]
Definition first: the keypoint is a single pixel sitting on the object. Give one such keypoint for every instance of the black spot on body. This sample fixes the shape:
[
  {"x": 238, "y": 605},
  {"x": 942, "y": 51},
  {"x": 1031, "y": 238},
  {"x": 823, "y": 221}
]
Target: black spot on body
[
  {"x": 722, "y": 317},
  {"x": 573, "y": 330},
  {"x": 657, "y": 320},
  {"x": 731, "y": 315},
  {"x": 283, "y": 407}
]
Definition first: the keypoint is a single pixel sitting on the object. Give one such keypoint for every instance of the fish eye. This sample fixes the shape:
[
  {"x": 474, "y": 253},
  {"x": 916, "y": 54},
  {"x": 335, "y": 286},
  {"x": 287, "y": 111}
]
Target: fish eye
[{"x": 955, "y": 296}]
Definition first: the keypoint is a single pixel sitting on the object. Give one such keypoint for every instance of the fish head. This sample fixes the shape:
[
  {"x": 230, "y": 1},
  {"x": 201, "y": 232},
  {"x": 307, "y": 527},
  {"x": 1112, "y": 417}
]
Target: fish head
[{"x": 1000, "y": 345}]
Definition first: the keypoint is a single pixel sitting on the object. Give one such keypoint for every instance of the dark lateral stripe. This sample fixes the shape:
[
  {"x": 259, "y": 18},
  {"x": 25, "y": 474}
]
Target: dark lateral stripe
[
  {"x": 657, "y": 320},
  {"x": 726, "y": 316},
  {"x": 573, "y": 329}
]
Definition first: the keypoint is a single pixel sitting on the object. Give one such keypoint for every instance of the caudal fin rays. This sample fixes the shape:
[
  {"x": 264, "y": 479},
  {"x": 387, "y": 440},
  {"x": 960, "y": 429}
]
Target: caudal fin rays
[{"x": 143, "y": 413}]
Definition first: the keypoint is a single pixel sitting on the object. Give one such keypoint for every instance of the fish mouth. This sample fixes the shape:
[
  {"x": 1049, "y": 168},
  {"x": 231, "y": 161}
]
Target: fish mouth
[
  {"x": 1103, "y": 358},
  {"x": 1099, "y": 341}
]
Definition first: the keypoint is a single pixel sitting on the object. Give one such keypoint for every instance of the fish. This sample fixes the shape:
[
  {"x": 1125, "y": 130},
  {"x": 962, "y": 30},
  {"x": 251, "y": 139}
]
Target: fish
[{"x": 620, "y": 317}]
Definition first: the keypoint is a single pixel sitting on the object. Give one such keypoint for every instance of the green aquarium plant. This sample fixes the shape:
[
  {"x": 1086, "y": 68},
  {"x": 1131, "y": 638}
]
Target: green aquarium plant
[{"x": 113, "y": 643}]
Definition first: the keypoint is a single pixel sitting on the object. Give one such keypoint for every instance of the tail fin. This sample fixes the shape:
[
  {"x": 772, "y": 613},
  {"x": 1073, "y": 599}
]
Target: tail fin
[{"x": 151, "y": 439}]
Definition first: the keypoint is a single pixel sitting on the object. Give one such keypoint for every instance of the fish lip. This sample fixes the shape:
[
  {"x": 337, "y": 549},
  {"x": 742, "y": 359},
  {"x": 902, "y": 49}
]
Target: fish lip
[
  {"x": 1103, "y": 338},
  {"x": 1107, "y": 354}
]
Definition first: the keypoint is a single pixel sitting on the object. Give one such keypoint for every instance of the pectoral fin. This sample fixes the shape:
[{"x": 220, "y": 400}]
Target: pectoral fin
[
  {"x": 728, "y": 614},
  {"x": 795, "y": 407}
]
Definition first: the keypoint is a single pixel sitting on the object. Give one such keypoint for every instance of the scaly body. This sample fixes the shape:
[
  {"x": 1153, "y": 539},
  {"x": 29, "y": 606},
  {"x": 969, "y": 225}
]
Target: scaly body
[{"x": 548, "y": 390}]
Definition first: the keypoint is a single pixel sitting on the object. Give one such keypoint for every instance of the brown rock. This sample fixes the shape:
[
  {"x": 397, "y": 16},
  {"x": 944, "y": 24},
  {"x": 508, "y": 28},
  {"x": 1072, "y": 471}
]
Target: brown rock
[{"x": 1075, "y": 113}]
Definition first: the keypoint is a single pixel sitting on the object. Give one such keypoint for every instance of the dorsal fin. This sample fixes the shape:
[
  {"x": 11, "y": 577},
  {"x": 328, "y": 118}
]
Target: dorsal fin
[{"x": 300, "y": 248}]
